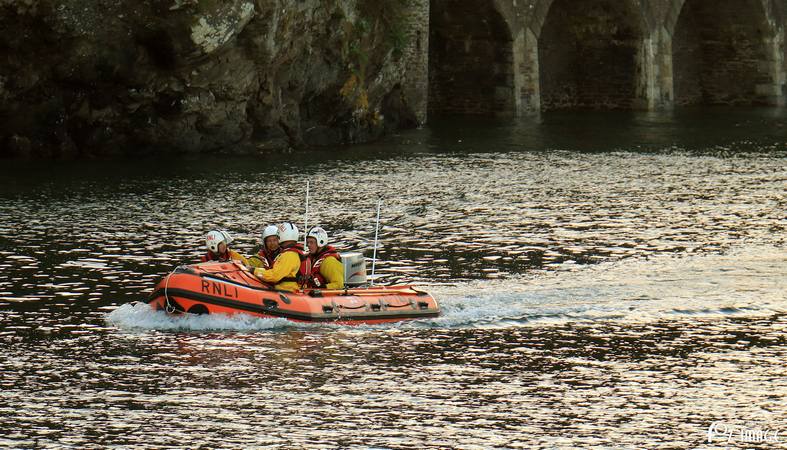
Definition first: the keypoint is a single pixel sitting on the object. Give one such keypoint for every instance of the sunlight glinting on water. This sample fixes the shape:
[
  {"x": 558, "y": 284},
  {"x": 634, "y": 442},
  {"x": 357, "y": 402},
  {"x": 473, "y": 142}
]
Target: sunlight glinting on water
[
  {"x": 617, "y": 299},
  {"x": 445, "y": 223}
]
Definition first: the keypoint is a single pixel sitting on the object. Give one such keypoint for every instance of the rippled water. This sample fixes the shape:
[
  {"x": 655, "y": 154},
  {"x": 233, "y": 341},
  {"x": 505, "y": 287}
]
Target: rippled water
[{"x": 608, "y": 280}]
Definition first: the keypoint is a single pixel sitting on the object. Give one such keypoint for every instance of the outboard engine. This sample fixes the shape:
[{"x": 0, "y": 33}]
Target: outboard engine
[{"x": 354, "y": 269}]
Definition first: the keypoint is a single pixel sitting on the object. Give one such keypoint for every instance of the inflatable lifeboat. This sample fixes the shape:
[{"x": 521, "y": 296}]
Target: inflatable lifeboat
[{"x": 229, "y": 288}]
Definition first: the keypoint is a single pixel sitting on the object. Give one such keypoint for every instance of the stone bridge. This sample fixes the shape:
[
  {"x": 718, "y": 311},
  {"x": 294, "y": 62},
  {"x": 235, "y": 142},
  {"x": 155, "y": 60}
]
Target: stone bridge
[{"x": 514, "y": 57}]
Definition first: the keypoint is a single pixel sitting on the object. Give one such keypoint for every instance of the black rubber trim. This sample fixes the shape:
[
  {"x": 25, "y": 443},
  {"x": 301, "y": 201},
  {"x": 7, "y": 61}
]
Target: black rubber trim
[
  {"x": 212, "y": 299},
  {"x": 278, "y": 312},
  {"x": 407, "y": 305},
  {"x": 172, "y": 302},
  {"x": 160, "y": 293},
  {"x": 185, "y": 269}
]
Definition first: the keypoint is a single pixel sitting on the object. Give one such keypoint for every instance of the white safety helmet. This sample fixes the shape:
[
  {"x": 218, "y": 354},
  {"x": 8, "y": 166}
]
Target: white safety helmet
[
  {"x": 320, "y": 235},
  {"x": 215, "y": 238},
  {"x": 288, "y": 232},
  {"x": 270, "y": 230}
]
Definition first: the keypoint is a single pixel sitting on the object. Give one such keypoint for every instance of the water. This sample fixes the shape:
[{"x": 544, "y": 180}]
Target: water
[{"x": 608, "y": 280}]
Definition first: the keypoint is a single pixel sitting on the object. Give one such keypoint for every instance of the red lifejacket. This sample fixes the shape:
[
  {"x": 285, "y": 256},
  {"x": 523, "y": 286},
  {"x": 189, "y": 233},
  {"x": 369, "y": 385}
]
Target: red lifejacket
[
  {"x": 304, "y": 269},
  {"x": 315, "y": 279},
  {"x": 210, "y": 256},
  {"x": 268, "y": 256}
]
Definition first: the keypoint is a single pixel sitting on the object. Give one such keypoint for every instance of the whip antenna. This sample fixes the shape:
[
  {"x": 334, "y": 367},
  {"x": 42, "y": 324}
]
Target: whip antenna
[
  {"x": 306, "y": 218},
  {"x": 376, "y": 230}
]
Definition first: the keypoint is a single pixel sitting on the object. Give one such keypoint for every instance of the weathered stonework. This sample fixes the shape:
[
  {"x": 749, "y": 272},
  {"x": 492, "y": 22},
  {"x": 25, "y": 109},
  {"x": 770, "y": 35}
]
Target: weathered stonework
[
  {"x": 471, "y": 60},
  {"x": 416, "y": 85},
  {"x": 621, "y": 54}
]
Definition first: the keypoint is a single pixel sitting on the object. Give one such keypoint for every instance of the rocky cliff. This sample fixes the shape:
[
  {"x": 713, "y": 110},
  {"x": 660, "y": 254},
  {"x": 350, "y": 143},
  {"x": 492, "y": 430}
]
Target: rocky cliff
[{"x": 95, "y": 77}]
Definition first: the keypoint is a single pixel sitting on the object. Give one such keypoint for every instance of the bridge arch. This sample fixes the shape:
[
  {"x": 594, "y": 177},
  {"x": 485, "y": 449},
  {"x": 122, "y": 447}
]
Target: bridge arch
[
  {"x": 471, "y": 59},
  {"x": 590, "y": 55},
  {"x": 725, "y": 52}
]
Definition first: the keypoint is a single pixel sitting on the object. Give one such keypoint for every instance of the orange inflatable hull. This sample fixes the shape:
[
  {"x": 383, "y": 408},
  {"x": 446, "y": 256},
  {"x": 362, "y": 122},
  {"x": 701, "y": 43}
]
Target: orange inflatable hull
[{"x": 228, "y": 288}]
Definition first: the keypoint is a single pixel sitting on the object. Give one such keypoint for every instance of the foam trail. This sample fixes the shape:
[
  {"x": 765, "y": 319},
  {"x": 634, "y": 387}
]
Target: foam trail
[
  {"x": 142, "y": 316},
  {"x": 744, "y": 282}
]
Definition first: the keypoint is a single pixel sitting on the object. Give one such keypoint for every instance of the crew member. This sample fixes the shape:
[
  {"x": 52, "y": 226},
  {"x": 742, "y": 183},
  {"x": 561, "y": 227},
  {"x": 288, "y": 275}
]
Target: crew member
[
  {"x": 326, "y": 270},
  {"x": 217, "y": 243},
  {"x": 270, "y": 248},
  {"x": 290, "y": 262}
]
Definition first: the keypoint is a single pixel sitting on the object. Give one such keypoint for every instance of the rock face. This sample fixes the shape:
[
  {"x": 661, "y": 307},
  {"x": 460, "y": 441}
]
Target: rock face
[{"x": 95, "y": 77}]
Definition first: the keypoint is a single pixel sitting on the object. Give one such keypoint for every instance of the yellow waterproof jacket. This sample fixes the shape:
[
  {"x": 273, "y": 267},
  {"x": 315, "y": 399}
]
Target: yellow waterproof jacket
[
  {"x": 258, "y": 261},
  {"x": 233, "y": 256},
  {"x": 255, "y": 262},
  {"x": 238, "y": 257},
  {"x": 285, "y": 267},
  {"x": 333, "y": 271}
]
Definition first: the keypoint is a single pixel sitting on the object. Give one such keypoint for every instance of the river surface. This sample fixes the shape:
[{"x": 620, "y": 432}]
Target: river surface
[{"x": 607, "y": 281}]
